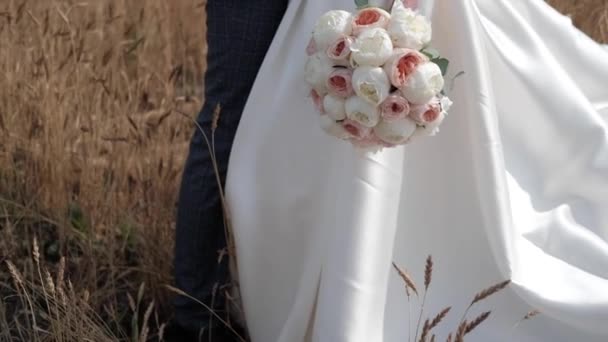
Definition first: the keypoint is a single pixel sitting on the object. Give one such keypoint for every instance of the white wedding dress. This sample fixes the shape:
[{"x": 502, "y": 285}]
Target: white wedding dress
[{"x": 515, "y": 186}]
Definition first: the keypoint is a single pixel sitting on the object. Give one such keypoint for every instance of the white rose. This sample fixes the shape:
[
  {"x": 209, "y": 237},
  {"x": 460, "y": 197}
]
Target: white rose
[
  {"x": 424, "y": 83},
  {"x": 335, "y": 107},
  {"x": 361, "y": 111},
  {"x": 373, "y": 47},
  {"x": 395, "y": 132},
  {"x": 409, "y": 29},
  {"x": 430, "y": 129},
  {"x": 371, "y": 84},
  {"x": 333, "y": 128},
  {"x": 330, "y": 27},
  {"x": 317, "y": 70}
]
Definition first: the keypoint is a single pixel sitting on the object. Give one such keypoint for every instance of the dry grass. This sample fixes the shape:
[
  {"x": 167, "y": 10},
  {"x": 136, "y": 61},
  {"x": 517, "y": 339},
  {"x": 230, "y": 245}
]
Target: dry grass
[
  {"x": 465, "y": 326},
  {"x": 91, "y": 155}
]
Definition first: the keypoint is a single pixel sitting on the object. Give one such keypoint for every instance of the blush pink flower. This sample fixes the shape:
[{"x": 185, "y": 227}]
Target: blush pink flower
[
  {"x": 394, "y": 107},
  {"x": 317, "y": 99},
  {"x": 358, "y": 131},
  {"x": 311, "y": 49},
  {"x": 426, "y": 113},
  {"x": 368, "y": 18},
  {"x": 340, "y": 49},
  {"x": 402, "y": 65},
  {"x": 340, "y": 83}
]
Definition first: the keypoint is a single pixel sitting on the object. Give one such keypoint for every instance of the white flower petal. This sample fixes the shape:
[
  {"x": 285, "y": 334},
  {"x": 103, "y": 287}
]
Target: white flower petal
[
  {"x": 361, "y": 111},
  {"x": 395, "y": 132},
  {"x": 317, "y": 70},
  {"x": 333, "y": 128},
  {"x": 371, "y": 84},
  {"x": 424, "y": 84},
  {"x": 330, "y": 27},
  {"x": 335, "y": 107},
  {"x": 430, "y": 129},
  {"x": 373, "y": 47},
  {"x": 409, "y": 29}
]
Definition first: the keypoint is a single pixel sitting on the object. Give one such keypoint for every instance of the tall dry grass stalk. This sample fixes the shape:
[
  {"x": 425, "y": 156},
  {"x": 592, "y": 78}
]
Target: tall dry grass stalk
[
  {"x": 465, "y": 326},
  {"x": 54, "y": 311}
]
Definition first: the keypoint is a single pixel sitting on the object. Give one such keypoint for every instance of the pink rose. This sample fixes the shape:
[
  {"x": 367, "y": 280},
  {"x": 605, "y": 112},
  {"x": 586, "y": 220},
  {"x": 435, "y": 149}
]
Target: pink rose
[
  {"x": 358, "y": 131},
  {"x": 317, "y": 99},
  {"x": 311, "y": 49},
  {"x": 426, "y": 113},
  {"x": 402, "y": 65},
  {"x": 340, "y": 83},
  {"x": 394, "y": 107},
  {"x": 340, "y": 50},
  {"x": 368, "y": 18}
]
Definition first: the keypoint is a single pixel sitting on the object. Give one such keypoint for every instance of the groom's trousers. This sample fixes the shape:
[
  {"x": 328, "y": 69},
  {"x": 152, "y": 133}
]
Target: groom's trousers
[{"x": 239, "y": 34}]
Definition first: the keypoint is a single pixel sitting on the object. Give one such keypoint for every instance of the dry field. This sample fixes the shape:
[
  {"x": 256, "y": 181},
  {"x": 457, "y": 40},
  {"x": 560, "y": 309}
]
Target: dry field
[{"x": 91, "y": 153}]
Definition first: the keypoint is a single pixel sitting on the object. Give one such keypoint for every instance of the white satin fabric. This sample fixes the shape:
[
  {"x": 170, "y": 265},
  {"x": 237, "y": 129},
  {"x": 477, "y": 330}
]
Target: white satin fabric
[{"x": 515, "y": 186}]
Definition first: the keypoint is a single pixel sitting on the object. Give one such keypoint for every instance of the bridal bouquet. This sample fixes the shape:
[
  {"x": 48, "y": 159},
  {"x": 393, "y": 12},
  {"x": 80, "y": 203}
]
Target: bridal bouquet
[{"x": 374, "y": 80}]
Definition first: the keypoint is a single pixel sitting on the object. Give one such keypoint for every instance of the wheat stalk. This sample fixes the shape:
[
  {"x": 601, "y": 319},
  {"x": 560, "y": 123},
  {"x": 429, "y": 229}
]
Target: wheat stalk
[
  {"x": 61, "y": 272},
  {"x": 43, "y": 282},
  {"x": 477, "y": 321},
  {"x": 428, "y": 272},
  {"x": 409, "y": 282},
  {"x": 21, "y": 289},
  {"x": 425, "y": 330},
  {"x": 36, "y": 251},
  {"x": 49, "y": 283},
  {"x": 161, "y": 332},
  {"x": 483, "y": 294},
  {"x": 459, "y": 336},
  {"x": 145, "y": 330},
  {"x": 430, "y": 325},
  {"x": 14, "y": 274},
  {"x": 440, "y": 316},
  {"x": 490, "y": 291},
  {"x": 428, "y": 277}
]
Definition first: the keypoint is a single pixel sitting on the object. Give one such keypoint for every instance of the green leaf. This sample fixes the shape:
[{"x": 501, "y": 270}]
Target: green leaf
[
  {"x": 431, "y": 53},
  {"x": 443, "y": 64},
  {"x": 361, "y": 3}
]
